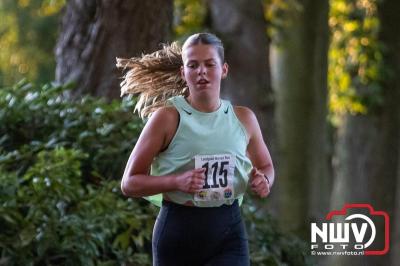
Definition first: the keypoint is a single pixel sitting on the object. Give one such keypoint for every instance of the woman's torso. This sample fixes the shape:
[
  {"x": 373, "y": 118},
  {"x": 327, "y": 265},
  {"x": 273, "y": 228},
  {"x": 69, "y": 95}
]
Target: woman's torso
[{"x": 216, "y": 141}]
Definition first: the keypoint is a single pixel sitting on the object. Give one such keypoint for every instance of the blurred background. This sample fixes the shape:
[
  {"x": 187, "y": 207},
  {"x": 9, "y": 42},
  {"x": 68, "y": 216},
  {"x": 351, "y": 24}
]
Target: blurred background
[{"x": 323, "y": 78}]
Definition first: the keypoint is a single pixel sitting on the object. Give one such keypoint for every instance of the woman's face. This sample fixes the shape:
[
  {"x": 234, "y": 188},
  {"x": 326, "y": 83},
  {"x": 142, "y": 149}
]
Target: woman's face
[{"x": 202, "y": 69}]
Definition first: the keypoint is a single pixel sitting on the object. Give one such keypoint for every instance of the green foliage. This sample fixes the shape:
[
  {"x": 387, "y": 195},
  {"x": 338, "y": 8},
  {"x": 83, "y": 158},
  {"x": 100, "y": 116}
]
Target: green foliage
[
  {"x": 355, "y": 57},
  {"x": 39, "y": 118},
  {"x": 48, "y": 207},
  {"x": 50, "y": 217},
  {"x": 28, "y": 34},
  {"x": 279, "y": 17},
  {"x": 57, "y": 207},
  {"x": 189, "y": 17}
]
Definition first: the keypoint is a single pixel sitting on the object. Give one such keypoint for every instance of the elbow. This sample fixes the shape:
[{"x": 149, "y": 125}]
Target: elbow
[
  {"x": 124, "y": 189},
  {"x": 128, "y": 188}
]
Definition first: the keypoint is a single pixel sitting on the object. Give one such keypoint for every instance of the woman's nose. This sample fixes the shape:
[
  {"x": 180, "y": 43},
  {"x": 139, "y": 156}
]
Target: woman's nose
[{"x": 201, "y": 70}]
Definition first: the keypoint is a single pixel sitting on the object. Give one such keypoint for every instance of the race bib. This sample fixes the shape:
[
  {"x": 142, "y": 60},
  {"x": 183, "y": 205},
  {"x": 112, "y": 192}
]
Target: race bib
[{"x": 218, "y": 183}]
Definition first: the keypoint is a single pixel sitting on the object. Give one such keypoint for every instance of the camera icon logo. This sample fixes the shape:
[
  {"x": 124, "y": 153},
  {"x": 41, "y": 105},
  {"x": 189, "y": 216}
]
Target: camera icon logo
[{"x": 352, "y": 230}]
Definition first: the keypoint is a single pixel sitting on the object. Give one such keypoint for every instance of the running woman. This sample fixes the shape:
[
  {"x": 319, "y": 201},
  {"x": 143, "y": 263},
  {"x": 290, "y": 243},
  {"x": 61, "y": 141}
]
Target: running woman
[{"x": 195, "y": 156}]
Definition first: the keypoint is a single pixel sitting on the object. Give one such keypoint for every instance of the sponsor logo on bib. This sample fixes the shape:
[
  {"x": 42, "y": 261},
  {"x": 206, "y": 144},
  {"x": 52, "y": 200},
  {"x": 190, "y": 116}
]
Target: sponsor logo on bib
[{"x": 227, "y": 193}]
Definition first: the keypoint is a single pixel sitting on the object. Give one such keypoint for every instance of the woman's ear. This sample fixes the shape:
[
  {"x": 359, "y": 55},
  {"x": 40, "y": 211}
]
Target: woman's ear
[{"x": 225, "y": 68}]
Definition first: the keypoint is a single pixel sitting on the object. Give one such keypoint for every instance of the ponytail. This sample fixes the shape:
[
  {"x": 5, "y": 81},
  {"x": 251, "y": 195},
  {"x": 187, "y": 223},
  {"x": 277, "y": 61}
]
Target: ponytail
[{"x": 154, "y": 78}]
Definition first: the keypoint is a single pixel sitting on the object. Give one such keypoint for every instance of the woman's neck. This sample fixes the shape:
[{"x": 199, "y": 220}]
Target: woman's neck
[{"x": 206, "y": 105}]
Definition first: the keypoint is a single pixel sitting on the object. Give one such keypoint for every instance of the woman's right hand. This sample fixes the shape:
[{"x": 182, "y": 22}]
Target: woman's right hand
[{"x": 191, "y": 181}]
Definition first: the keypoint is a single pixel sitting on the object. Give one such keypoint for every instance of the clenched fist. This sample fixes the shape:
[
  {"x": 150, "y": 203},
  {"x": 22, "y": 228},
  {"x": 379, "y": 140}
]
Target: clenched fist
[
  {"x": 258, "y": 183},
  {"x": 191, "y": 181}
]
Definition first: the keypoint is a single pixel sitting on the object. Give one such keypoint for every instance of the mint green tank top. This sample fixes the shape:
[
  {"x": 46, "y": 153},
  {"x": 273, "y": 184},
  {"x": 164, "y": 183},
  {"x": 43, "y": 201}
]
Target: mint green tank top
[{"x": 203, "y": 138}]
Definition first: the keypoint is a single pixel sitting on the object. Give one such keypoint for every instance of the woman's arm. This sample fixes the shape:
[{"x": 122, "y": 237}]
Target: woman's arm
[
  {"x": 156, "y": 136},
  {"x": 262, "y": 175}
]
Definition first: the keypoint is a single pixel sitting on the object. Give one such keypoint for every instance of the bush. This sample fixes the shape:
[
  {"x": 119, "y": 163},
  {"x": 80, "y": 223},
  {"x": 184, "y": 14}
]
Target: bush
[
  {"x": 50, "y": 217},
  {"x": 39, "y": 118},
  {"x": 59, "y": 202}
]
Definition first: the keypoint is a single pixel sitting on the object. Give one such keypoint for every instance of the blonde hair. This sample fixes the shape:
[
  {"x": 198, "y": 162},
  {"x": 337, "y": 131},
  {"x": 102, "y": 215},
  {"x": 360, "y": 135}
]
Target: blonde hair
[{"x": 154, "y": 77}]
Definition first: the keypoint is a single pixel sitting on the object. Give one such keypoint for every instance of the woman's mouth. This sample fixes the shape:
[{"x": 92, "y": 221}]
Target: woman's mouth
[{"x": 202, "y": 82}]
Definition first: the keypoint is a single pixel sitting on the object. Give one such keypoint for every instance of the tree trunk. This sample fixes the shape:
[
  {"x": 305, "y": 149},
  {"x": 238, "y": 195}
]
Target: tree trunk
[
  {"x": 95, "y": 32},
  {"x": 368, "y": 147},
  {"x": 361, "y": 174},
  {"x": 388, "y": 12},
  {"x": 299, "y": 73}
]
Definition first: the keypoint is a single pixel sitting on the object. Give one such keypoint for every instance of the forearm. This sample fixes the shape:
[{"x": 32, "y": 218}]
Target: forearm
[{"x": 145, "y": 185}]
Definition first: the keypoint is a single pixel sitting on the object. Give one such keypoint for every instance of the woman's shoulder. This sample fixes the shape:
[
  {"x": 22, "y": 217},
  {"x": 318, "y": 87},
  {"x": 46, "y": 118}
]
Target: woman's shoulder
[
  {"x": 247, "y": 117},
  {"x": 244, "y": 113},
  {"x": 166, "y": 120},
  {"x": 166, "y": 115}
]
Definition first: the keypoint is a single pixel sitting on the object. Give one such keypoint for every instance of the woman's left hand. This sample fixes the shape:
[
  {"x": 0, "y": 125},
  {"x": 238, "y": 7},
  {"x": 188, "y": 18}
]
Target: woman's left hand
[{"x": 258, "y": 183}]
